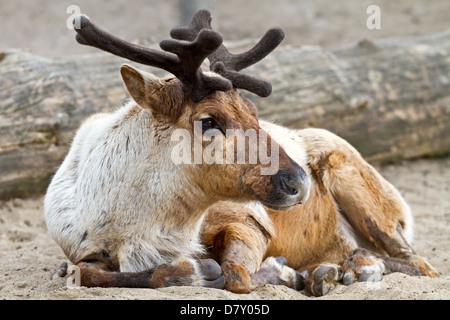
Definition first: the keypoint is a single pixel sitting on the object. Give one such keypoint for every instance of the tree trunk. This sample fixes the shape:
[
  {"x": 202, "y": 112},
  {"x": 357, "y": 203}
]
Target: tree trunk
[{"x": 389, "y": 98}]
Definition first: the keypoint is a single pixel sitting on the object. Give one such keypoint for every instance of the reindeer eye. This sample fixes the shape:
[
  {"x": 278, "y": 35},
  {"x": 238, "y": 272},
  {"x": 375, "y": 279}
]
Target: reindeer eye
[{"x": 210, "y": 123}]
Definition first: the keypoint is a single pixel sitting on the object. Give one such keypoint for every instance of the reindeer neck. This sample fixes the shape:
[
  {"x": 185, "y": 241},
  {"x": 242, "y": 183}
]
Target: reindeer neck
[{"x": 175, "y": 200}]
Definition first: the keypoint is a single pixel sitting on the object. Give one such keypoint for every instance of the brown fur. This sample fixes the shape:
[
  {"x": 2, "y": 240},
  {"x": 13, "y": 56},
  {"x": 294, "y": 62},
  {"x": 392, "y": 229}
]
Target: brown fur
[
  {"x": 345, "y": 191},
  {"x": 97, "y": 275}
]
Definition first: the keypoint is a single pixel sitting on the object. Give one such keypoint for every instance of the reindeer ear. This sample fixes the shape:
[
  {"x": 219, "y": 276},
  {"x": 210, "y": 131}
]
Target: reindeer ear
[
  {"x": 163, "y": 98},
  {"x": 137, "y": 83}
]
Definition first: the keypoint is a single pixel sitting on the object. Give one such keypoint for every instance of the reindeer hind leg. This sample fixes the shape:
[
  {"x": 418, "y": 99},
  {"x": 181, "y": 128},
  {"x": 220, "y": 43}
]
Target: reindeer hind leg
[
  {"x": 321, "y": 278},
  {"x": 375, "y": 209}
]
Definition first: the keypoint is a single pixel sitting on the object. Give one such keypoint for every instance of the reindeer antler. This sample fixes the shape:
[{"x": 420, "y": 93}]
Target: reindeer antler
[
  {"x": 184, "y": 54},
  {"x": 228, "y": 65},
  {"x": 181, "y": 58}
]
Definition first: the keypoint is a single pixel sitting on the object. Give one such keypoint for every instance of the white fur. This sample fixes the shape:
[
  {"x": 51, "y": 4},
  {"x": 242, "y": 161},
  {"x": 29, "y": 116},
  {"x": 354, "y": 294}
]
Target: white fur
[
  {"x": 408, "y": 230},
  {"x": 289, "y": 140},
  {"x": 118, "y": 191},
  {"x": 260, "y": 214}
]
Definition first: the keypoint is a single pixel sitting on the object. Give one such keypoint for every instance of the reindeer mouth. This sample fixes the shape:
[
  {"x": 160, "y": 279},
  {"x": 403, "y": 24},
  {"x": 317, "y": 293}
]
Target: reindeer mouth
[
  {"x": 286, "y": 191},
  {"x": 276, "y": 206},
  {"x": 279, "y": 208}
]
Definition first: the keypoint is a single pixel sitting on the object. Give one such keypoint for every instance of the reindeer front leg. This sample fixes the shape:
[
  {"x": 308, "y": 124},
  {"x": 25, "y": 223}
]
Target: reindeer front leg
[
  {"x": 243, "y": 268},
  {"x": 189, "y": 272},
  {"x": 239, "y": 241},
  {"x": 237, "y": 259}
]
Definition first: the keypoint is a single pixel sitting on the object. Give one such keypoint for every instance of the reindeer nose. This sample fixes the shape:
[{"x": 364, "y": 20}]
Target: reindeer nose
[
  {"x": 289, "y": 186},
  {"x": 294, "y": 183}
]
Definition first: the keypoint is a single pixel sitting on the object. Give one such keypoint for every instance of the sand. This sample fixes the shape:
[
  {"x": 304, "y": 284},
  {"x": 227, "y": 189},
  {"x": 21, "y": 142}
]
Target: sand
[{"x": 28, "y": 256}]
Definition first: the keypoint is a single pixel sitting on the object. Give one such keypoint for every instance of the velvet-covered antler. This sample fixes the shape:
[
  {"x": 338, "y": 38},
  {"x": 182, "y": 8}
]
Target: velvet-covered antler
[
  {"x": 228, "y": 65},
  {"x": 181, "y": 58}
]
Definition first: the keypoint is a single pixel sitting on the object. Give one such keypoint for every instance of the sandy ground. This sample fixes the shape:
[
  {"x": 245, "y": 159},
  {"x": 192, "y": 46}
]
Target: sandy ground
[{"x": 28, "y": 256}]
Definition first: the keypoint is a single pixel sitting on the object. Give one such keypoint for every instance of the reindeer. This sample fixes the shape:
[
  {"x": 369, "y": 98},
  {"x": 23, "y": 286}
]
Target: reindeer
[
  {"x": 107, "y": 214},
  {"x": 120, "y": 208}
]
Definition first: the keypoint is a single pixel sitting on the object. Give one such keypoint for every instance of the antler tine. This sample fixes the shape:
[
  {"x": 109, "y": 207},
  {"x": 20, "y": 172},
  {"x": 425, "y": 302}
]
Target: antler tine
[
  {"x": 200, "y": 20},
  {"x": 90, "y": 34},
  {"x": 181, "y": 58},
  {"x": 237, "y": 62},
  {"x": 228, "y": 65},
  {"x": 191, "y": 55}
]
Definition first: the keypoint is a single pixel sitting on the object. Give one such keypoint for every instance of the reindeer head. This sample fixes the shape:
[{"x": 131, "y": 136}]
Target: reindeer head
[{"x": 208, "y": 107}]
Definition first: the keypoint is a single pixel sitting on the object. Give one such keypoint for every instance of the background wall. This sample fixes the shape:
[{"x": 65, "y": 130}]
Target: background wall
[{"x": 40, "y": 25}]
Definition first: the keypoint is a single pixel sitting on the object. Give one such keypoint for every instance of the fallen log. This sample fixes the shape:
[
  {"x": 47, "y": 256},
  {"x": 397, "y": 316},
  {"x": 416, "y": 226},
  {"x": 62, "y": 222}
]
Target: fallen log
[{"x": 389, "y": 98}]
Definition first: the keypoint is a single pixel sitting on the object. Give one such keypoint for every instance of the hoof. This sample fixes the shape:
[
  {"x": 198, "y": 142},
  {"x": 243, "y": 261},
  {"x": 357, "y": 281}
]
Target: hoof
[
  {"x": 211, "y": 273},
  {"x": 323, "y": 279}
]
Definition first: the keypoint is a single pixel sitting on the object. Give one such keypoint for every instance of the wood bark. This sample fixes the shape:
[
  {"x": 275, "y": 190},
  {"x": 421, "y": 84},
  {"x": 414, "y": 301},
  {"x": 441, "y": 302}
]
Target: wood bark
[{"x": 389, "y": 98}]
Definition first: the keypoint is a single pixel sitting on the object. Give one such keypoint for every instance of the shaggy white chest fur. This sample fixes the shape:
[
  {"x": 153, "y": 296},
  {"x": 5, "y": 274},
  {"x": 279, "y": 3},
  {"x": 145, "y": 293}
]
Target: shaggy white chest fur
[{"x": 117, "y": 193}]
